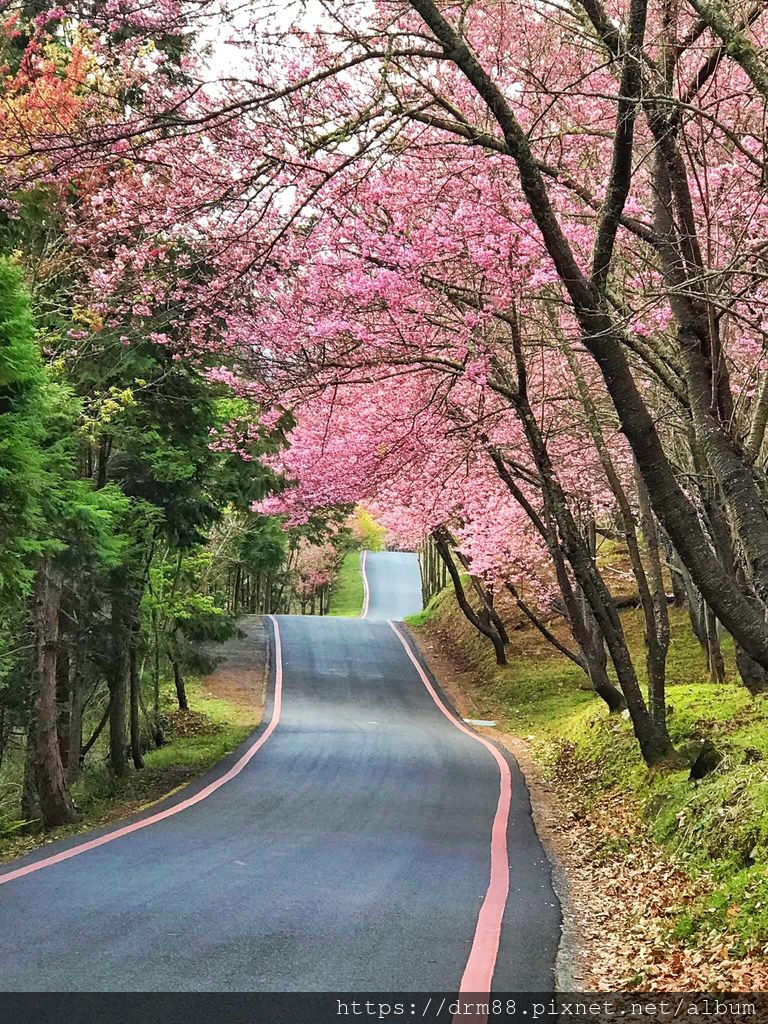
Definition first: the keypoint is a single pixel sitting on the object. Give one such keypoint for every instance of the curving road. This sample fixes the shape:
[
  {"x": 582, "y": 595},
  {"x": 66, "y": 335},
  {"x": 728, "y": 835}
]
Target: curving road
[
  {"x": 392, "y": 585},
  {"x": 360, "y": 841}
]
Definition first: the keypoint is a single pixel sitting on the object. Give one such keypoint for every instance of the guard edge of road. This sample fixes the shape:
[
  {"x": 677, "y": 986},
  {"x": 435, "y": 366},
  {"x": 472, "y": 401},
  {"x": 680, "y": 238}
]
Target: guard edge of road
[
  {"x": 481, "y": 963},
  {"x": 253, "y": 746}
]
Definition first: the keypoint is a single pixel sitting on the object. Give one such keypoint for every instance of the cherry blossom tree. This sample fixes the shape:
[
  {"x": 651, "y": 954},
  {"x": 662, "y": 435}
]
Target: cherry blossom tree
[{"x": 504, "y": 264}]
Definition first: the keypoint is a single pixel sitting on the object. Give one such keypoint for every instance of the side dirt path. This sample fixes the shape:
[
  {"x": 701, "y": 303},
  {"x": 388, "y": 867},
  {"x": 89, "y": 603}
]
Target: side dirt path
[
  {"x": 240, "y": 677},
  {"x": 615, "y": 885}
]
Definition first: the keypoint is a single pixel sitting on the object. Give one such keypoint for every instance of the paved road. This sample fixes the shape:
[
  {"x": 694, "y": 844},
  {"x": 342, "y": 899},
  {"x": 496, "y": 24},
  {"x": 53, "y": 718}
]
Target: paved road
[
  {"x": 351, "y": 851},
  {"x": 394, "y": 584}
]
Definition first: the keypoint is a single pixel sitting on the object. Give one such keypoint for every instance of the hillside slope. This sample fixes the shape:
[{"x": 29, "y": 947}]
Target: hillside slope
[{"x": 669, "y": 878}]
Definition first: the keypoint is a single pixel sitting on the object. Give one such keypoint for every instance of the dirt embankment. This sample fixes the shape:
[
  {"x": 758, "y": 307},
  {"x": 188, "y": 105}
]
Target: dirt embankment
[{"x": 240, "y": 676}]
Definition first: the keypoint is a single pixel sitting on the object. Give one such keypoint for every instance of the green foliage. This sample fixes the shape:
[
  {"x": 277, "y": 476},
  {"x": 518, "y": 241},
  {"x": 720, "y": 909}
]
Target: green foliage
[
  {"x": 21, "y": 431},
  {"x": 110, "y": 468},
  {"x": 347, "y": 590},
  {"x": 158, "y": 444},
  {"x": 81, "y": 522},
  {"x": 432, "y": 611},
  {"x": 264, "y": 544},
  {"x": 107, "y": 468},
  {"x": 178, "y": 613},
  {"x": 367, "y": 532}
]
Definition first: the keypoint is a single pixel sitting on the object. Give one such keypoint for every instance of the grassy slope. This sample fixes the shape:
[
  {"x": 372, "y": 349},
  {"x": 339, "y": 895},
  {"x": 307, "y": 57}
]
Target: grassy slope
[
  {"x": 196, "y": 741},
  {"x": 718, "y": 826},
  {"x": 347, "y": 591}
]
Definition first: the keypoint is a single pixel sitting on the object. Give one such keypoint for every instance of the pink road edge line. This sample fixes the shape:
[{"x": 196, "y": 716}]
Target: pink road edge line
[
  {"x": 366, "y": 588},
  {"x": 481, "y": 964},
  {"x": 202, "y": 794}
]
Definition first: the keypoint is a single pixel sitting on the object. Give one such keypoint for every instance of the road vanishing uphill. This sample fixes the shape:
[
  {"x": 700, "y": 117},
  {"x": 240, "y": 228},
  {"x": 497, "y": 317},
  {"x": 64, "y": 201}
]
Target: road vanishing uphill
[{"x": 362, "y": 840}]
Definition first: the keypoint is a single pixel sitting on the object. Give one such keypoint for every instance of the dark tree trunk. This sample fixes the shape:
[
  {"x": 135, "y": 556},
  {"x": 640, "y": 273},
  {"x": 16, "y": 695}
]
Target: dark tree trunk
[
  {"x": 656, "y": 622},
  {"x": 157, "y": 732},
  {"x": 603, "y": 339},
  {"x": 697, "y": 615},
  {"x": 584, "y": 626},
  {"x": 181, "y": 691},
  {"x": 715, "y": 660},
  {"x": 674, "y": 569},
  {"x": 30, "y": 805},
  {"x": 76, "y": 712},
  {"x": 63, "y": 699},
  {"x": 56, "y": 806},
  {"x": 591, "y": 659},
  {"x": 97, "y": 731},
  {"x": 424, "y": 570},
  {"x": 486, "y": 597},
  {"x": 135, "y": 684},
  {"x": 546, "y": 632},
  {"x": 122, "y": 626},
  {"x": 482, "y": 623},
  {"x": 753, "y": 675},
  {"x": 652, "y": 736},
  {"x": 679, "y": 596},
  {"x": 103, "y": 461},
  {"x": 590, "y": 639},
  {"x": 658, "y": 627}
]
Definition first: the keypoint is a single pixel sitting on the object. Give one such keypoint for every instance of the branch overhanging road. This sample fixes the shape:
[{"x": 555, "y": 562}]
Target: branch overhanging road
[{"x": 361, "y": 840}]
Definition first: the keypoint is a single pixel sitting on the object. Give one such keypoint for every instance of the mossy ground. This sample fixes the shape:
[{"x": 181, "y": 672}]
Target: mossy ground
[
  {"x": 717, "y": 827},
  {"x": 347, "y": 590},
  {"x": 196, "y": 740}
]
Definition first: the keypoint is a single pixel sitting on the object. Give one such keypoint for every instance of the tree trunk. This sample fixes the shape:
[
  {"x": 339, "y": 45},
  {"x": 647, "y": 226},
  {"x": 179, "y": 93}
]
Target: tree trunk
[
  {"x": 710, "y": 399},
  {"x": 604, "y": 341},
  {"x": 715, "y": 660},
  {"x": 658, "y": 642},
  {"x": 119, "y": 677},
  {"x": 97, "y": 731},
  {"x": 656, "y": 620},
  {"x": 486, "y": 597},
  {"x": 590, "y": 640},
  {"x": 178, "y": 679},
  {"x": 157, "y": 732},
  {"x": 63, "y": 698},
  {"x": 482, "y": 624},
  {"x": 56, "y": 805},
  {"x": 76, "y": 713},
  {"x": 679, "y": 596},
  {"x": 30, "y": 805},
  {"x": 584, "y": 626},
  {"x": 135, "y": 684},
  {"x": 652, "y": 736}
]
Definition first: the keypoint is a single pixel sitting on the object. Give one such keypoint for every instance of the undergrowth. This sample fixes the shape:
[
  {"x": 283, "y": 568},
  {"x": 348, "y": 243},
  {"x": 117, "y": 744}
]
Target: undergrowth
[
  {"x": 195, "y": 741},
  {"x": 347, "y": 590},
  {"x": 716, "y": 827}
]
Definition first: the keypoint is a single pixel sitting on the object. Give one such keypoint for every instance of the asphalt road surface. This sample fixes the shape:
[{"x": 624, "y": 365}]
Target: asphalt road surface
[
  {"x": 393, "y": 585},
  {"x": 360, "y": 841}
]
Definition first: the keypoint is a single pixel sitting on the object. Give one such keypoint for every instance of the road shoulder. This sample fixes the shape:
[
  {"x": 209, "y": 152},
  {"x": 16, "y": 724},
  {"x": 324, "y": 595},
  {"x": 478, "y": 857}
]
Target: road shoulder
[
  {"x": 226, "y": 707},
  {"x": 550, "y": 815}
]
